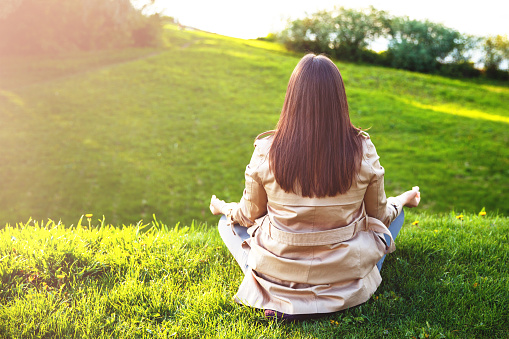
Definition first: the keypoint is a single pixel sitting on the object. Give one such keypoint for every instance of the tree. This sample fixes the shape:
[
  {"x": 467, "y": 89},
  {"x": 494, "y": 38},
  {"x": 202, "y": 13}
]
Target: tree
[
  {"x": 495, "y": 50},
  {"x": 49, "y": 26},
  {"x": 353, "y": 30},
  {"x": 311, "y": 34},
  {"x": 421, "y": 45},
  {"x": 344, "y": 33}
]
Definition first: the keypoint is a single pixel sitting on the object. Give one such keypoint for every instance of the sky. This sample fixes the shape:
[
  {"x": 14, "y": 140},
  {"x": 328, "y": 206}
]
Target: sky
[{"x": 252, "y": 19}]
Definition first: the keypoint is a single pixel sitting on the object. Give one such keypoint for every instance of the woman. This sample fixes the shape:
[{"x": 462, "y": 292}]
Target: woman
[{"x": 311, "y": 230}]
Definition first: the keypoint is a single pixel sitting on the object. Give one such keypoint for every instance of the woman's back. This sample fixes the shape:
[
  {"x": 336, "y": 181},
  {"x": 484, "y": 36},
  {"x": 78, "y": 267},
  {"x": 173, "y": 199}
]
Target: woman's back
[{"x": 290, "y": 211}]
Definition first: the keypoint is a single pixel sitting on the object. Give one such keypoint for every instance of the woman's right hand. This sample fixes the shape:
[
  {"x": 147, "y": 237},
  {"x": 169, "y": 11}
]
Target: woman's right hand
[
  {"x": 411, "y": 198},
  {"x": 216, "y": 205}
]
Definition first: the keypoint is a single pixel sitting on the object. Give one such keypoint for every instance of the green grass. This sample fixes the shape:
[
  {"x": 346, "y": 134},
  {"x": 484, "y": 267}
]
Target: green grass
[
  {"x": 129, "y": 134},
  {"x": 447, "y": 279}
]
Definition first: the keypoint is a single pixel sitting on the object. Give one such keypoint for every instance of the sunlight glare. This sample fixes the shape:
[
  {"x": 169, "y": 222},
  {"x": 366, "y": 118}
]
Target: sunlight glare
[{"x": 251, "y": 19}]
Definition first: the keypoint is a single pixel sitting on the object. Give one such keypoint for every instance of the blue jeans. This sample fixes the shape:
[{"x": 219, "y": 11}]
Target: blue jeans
[
  {"x": 394, "y": 228},
  {"x": 234, "y": 241}
]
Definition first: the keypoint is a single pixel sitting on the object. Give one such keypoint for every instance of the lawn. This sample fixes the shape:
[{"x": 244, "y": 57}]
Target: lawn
[
  {"x": 447, "y": 279},
  {"x": 128, "y": 134}
]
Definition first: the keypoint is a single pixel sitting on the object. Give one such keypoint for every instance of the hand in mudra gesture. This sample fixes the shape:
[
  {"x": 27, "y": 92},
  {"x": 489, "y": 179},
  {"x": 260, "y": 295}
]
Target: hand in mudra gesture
[
  {"x": 219, "y": 206},
  {"x": 411, "y": 198},
  {"x": 216, "y": 205}
]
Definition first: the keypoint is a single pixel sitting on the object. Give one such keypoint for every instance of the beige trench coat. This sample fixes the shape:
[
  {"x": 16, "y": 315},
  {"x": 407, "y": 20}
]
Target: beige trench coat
[{"x": 313, "y": 255}]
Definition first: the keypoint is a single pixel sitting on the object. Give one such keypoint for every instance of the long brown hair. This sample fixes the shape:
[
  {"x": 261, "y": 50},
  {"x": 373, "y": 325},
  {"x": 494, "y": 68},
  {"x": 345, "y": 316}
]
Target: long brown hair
[{"x": 316, "y": 150}]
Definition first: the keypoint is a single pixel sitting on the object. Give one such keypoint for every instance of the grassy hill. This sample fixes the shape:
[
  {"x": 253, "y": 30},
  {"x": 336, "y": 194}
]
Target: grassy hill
[
  {"x": 134, "y": 133},
  {"x": 130, "y": 134}
]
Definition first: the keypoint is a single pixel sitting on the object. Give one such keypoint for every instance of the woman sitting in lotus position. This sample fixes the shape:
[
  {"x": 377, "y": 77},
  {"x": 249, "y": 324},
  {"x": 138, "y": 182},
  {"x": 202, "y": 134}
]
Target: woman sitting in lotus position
[{"x": 314, "y": 224}]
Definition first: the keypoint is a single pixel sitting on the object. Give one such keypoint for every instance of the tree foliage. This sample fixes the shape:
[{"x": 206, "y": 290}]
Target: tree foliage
[
  {"x": 421, "y": 45},
  {"x": 343, "y": 33},
  {"x": 47, "y": 26},
  {"x": 308, "y": 34},
  {"x": 495, "y": 50},
  {"x": 355, "y": 29}
]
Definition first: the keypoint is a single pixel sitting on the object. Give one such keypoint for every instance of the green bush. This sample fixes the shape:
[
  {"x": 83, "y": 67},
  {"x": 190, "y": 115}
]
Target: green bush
[
  {"x": 460, "y": 70},
  {"x": 376, "y": 58},
  {"x": 271, "y": 37},
  {"x": 148, "y": 32},
  {"x": 496, "y": 74}
]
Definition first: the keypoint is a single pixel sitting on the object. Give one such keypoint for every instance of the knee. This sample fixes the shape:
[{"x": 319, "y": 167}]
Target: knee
[{"x": 221, "y": 225}]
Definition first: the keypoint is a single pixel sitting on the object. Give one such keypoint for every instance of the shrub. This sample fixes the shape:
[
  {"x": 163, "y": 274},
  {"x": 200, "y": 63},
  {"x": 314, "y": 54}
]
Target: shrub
[
  {"x": 462, "y": 69},
  {"x": 148, "y": 31},
  {"x": 383, "y": 58}
]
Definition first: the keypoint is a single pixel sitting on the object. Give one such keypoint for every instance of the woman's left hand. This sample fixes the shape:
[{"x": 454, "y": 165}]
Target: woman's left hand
[{"x": 411, "y": 198}]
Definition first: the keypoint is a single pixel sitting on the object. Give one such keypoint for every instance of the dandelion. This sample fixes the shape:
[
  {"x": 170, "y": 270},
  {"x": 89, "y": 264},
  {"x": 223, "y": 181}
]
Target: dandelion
[
  {"x": 415, "y": 223},
  {"x": 89, "y": 218},
  {"x": 475, "y": 285},
  {"x": 436, "y": 231},
  {"x": 459, "y": 217},
  {"x": 482, "y": 213}
]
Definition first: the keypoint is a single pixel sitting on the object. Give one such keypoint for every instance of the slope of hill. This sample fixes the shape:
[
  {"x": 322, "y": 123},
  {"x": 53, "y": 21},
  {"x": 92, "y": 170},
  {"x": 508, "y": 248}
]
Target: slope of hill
[{"x": 135, "y": 133}]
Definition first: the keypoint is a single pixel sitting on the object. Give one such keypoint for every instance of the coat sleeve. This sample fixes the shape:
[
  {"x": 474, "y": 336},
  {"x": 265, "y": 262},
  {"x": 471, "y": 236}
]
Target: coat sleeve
[
  {"x": 254, "y": 199},
  {"x": 377, "y": 204}
]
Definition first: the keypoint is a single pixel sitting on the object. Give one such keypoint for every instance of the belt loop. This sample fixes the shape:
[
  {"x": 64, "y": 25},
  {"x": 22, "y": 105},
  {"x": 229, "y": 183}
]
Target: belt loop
[
  {"x": 270, "y": 227},
  {"x": 264, "y": 223}
]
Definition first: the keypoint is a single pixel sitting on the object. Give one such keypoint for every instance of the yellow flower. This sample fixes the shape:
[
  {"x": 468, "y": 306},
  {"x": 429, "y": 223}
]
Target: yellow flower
[
  {"x": 475, "y": 285},
  {"x": 460, "y": 217},
  {"x": 415, "y": 222},
  {"x": 482, "y": 213},
  {"x": 61, "y": 276},
  {"x": 89, "y": 215},
  {"x": 436, "y": 231}
]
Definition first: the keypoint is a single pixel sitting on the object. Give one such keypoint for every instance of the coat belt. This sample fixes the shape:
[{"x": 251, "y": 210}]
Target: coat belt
[{"x": 328, "y": 237}]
